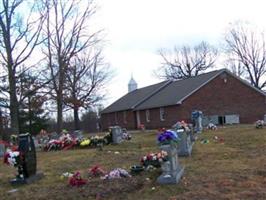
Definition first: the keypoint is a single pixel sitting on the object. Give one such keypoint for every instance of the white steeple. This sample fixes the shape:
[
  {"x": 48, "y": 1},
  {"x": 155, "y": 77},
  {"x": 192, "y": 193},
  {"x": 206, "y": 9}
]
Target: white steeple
[{"x": 132, "y": 84}]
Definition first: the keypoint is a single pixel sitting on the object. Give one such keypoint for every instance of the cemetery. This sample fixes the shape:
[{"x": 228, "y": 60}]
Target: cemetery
[
  {"x": 69, "y": 129},
  {"x": 230, "y": 165}
]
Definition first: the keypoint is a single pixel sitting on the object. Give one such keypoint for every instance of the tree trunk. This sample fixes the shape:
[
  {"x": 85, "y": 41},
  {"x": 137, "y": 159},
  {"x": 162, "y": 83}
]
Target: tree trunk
[
  {"x": 76, "y": 119},
  {"x": 30, "y": 115},
  {"x": 60, "y": 96},
  {"x": 14, "y": 110},
  {"x": 1, "y": 127},
  {"x": 59, "y": 114}
]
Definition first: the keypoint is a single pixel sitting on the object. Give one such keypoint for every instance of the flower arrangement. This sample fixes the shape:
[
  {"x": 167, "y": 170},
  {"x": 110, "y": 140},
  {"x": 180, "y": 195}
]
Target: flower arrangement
[
  {"x": 66, "y": 141},
  {"x": 116, "y": 173},
  {"x": 126, "y": 135},
  {"x": 66, "y": 175},
  {"x": 97, "y": 140},
  {"x": 12, "y": 158},
  {"x": 154, "y": 159},
  {"x": 212, "y": 126},
  {"x": 85, "y": 143},
  {"x": 259, "y": 124},
  {"x": 181, "y": 126},
  {"x": 96, "y": 171},
  {"x": 167, "y": 137},
  {"x": 76, "y": 180}
]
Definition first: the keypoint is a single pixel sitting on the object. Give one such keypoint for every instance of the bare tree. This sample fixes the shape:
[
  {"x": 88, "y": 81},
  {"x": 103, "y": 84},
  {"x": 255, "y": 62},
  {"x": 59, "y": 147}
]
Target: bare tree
[
  {"x": 187, "y": 61},
  {"x": 248, "y": 49},
  {"x": 234, "y": 66},
  {"x": 17, "y": 42},
  {"x": 68, "y": 33},
  {"x": 86, "y": 77}
]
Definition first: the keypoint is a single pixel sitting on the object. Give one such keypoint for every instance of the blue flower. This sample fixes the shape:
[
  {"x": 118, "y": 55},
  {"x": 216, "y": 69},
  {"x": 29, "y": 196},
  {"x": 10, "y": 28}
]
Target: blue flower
[{"x": 168, "y": 136}]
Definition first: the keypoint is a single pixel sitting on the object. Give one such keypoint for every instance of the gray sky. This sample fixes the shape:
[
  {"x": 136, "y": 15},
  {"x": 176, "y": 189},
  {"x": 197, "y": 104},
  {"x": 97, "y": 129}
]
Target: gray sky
[{"x": 136, "y": 29}]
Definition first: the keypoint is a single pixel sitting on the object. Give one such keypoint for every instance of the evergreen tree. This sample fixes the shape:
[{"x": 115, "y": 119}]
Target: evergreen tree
[{"x": 32, "y": 117}]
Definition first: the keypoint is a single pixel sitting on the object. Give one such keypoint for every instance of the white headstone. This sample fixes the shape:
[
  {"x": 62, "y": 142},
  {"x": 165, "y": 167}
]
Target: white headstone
[
  {"x": 116, "y": 134},
  {"x": 172, "y": 170}
]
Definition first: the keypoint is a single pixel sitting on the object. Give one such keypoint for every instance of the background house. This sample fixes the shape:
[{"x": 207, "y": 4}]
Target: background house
[{"x": 221, "y": 96}]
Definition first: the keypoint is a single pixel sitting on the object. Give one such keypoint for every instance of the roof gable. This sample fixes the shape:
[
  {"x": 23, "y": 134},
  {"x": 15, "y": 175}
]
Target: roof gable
[
  {"x": 132, "y": 99},
  {"x": 177, "y": 91}
]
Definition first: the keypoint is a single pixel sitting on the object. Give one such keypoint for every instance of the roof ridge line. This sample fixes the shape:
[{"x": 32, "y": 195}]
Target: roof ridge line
[
  {"x": 197, "y": 76},
  {"x": 149, "y": 96}
]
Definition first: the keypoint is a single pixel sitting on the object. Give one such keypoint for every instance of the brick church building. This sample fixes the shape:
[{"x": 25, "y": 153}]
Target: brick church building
[{"x": 222, "y": 97}]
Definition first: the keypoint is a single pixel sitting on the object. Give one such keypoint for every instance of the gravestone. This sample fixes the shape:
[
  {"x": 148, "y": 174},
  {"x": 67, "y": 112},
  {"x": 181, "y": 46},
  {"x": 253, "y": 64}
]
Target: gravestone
[
  {"x": 191, "y": 134},
  {"x": 54, "y": 136},
  {"x": 2, "y": 150},
  {"x": 197, "y": 121},
  {"x": 172, "y": 170},
  {"x": 117, "y": 134},
  {"x": 28, "y": 164},
  {"x": 77, "y": 134},
  {"x": 185, "y": 144}
]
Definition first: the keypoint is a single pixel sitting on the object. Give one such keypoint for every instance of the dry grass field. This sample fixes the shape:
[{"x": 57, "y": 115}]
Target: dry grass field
[{"x": 235, "y": 169}]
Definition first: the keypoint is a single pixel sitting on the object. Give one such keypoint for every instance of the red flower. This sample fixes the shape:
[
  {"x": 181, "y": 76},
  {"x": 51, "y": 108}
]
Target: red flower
[
  {"x": 76, "y": 180},
  {"x": 6, "y": 156},
  {"x": 96, "y": 171}
]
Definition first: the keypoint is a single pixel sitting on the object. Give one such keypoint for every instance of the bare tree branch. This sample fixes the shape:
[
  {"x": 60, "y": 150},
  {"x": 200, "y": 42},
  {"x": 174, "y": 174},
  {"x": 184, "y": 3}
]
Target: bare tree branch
[
  {"x": 186, "y": 61},
  {"x": 247, "y": 48},
  {"x": 85, "y": 79},
  {"x": 68, "y": 35},
  {"x": 18, "y": 41}
]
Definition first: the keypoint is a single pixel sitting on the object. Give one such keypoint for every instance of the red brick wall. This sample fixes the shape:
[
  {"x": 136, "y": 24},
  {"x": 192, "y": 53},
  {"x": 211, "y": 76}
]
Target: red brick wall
[
  {"x": 215, "y": 98},
  {"x": 231, "y": 97},
  {"x": 108, "y": 119},
  {"x": 171, "y": 117}
]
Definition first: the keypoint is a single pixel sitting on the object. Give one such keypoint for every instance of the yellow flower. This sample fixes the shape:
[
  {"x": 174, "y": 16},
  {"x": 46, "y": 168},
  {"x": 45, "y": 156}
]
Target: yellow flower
[{"x": 85, "y": 142}]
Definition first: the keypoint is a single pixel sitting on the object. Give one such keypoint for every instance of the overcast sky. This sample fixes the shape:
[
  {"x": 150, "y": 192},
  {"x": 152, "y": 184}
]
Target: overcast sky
[{"x": 136, "y": 29}]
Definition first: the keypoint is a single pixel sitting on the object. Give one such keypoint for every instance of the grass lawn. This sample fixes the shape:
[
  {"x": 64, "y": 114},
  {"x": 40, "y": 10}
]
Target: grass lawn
[{"x": 233, "y": 170}]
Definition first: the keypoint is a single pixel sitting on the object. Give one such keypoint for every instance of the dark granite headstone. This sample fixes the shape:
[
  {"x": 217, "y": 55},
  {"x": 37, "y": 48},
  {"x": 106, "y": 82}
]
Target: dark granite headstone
[
  {"x": 2, "y": 150},
  {"x": 27, "y": 148},
  {"x": 28, "y": 163}
]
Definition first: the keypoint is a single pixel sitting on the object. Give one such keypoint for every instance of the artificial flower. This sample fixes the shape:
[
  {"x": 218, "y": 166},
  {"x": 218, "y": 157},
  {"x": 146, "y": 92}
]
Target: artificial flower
[
  {"x": 96, "y": 171},
  {"x": 154, "y": 159},
  {"x": 12, "y": 158},
  {"x": 167, "y": 137},
  {"x": 76, "y": 180},
  {"x": 85, "y": 142},
  {"x": 117, "y": 173}
]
